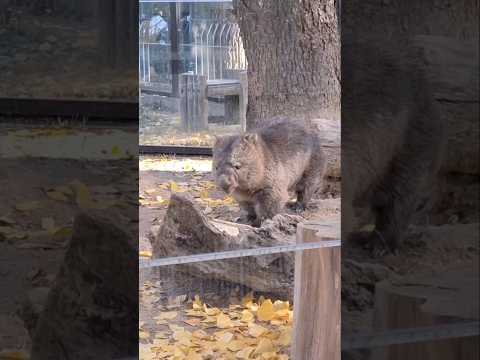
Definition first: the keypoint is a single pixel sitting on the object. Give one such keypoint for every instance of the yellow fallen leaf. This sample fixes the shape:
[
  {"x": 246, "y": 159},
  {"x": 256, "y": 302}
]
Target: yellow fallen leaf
[
  {"x": 173, "y": 186},
  {"x": 247, "y": 316},
  {"x": 83, "y": 197},
  {"x": 223, "y": 321},
  {"x": 272, "y": 355},
  {"x": 225, "y": 337},
  {"x": 265, "y": 311},
  {"x": 264, "y": 346},
  {"x": 147, "y": 254},
  {"x": 256, "y": 330},
  {"x": 281, "y": 305},
  {"x": 192, "y": 322},
  {"x": 167, "y": 315},
  {"x": 247, "y": 299},
  {"x": 200, "y": 334},
  {"x": 245, "y": 353},
  {"x": 235, "y": 345},
  {"x": 197, "y": 303},
  {"x": 211, "y": 311},
  {"x": 285, "y": 338},
  {"x": 204, "y": 194},
  {"x": 142, "y": 334}
]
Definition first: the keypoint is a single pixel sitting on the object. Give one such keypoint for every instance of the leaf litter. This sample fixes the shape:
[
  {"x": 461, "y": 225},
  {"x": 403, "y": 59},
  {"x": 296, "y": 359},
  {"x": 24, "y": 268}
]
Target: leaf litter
[{"x": 251, "y": 330}]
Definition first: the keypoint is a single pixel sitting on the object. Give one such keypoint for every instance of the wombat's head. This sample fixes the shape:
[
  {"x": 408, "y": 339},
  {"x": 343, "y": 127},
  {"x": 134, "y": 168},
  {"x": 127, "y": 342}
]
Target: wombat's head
[{"x": 237, "y": 162}]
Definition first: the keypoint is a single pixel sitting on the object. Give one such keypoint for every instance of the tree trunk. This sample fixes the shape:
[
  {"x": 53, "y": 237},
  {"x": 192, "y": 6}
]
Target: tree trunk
[
  {"x": 293, "y": 54},
  {"x": 118, "y": 32}
]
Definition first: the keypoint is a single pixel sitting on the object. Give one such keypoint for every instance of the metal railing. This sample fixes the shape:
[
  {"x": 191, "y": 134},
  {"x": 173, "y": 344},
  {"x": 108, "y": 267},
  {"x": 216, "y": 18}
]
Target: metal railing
[{"x": 215, "y": 47}]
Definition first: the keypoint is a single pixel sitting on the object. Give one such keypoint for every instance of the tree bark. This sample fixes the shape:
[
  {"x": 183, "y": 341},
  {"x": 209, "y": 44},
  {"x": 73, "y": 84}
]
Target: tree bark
[
  {"x": 118, "y": 32},
  {"x": 293, "y": 54}
]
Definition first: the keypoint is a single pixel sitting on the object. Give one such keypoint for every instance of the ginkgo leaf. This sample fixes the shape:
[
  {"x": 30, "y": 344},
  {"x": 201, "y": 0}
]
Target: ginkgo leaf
[
  {"x": 223, "y": 321},
  {"x": 266, "y": 311},
  {"x": 264, "y": 346}
]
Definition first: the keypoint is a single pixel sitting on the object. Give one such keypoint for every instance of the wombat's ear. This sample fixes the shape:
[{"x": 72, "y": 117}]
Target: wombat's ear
[{"x": 251, "y": 138}]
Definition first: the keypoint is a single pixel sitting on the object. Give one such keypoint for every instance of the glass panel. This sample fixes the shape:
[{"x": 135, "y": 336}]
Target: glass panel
[
  {"x": 183, "y": 311},
  {"x": 191, "y": 65},
  {"x": 68, "y": 49}
]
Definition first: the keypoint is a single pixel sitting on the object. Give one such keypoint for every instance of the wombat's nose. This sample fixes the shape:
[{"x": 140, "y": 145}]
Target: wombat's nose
[{"x": 224, "y": 183}]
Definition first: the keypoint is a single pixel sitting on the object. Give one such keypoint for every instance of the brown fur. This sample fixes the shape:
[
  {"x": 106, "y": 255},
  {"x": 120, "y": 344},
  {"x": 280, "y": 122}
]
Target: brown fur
[
  {"x": 392, "y": 138},
  {"x": 260, "y": 168}
]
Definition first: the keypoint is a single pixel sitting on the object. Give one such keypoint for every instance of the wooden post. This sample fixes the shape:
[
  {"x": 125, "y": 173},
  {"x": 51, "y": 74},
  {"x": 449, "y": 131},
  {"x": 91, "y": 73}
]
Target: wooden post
[
  {"x": 193, "y": 102},
  {"x": 236, "y": 106},
  {"x": 316, "y": 308},
  {"x": 427, "y": 300},
  {"x": 232, "y": 109}
]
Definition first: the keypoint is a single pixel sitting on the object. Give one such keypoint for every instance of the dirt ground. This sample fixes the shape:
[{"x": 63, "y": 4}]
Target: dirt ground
[
  {"x": 39, "y": 196},
  {"x": 43, "y": 55}
]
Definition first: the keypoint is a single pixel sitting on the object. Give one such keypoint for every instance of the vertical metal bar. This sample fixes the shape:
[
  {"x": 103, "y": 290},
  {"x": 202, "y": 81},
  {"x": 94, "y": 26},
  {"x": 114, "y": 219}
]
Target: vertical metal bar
[
  {"x": 208, "y": 52},
  {"x": 148, "y": 62},
  {"x": 222, "y": 55}
]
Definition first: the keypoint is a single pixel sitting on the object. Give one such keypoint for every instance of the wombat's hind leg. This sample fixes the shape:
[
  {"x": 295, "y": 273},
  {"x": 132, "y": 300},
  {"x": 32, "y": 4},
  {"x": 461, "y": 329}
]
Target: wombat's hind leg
[{"x": 311, "y": 182}]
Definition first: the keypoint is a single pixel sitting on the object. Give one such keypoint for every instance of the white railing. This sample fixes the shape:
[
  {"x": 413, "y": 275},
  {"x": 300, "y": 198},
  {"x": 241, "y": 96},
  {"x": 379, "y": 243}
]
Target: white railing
[{"x": 215, "y": 47}]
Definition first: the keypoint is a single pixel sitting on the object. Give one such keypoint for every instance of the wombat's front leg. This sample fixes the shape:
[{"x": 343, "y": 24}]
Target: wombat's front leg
[
  {"x": 249, "y": 209},
  {"x": 269, "y": 202}
]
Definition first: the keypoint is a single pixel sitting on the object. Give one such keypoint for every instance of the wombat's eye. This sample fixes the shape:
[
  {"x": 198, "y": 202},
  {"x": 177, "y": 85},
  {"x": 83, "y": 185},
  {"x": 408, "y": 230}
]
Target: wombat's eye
[{"x": 237, "y": 166}]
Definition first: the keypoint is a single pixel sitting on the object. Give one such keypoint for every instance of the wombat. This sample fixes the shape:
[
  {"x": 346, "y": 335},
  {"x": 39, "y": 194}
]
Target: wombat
[
  {"x": 392, "y": 138},
  {"x": 259, "y": 168}
]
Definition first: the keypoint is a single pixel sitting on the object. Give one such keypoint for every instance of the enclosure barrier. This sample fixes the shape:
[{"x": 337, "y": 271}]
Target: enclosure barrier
[
  {"x": 216, "y": 48},
  {"x": 317, "y": 298},
  {"x": 194, "y": 93}
]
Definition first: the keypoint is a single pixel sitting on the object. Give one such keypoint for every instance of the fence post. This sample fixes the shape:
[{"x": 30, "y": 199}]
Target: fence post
[
  {"x": 193, "y": 102},
  {"x": 317, "y": 290},
  {"x": 236, "y": 105}
]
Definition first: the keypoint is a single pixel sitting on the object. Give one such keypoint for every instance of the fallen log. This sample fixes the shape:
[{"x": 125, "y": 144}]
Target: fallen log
[
  {"x": 91, "y": 311},
  {"x": 187, "y": 231}
]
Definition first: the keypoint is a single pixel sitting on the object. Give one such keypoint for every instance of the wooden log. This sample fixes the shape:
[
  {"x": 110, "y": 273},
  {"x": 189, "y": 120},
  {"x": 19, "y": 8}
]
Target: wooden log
[
  {"x": 427, "y": 300},
  {"x": 329, "y": 131},
  {"x": 316, "y": 316},
  {"x": 199, "y": 235},
  {"x": 193, "y": 102},
  {"x": 91, "y": 312}
]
